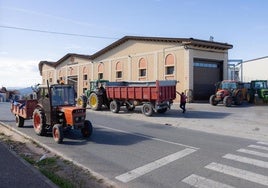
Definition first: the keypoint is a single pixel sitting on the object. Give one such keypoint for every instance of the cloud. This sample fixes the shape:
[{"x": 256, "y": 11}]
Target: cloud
[{"x": 19, "y": 73}]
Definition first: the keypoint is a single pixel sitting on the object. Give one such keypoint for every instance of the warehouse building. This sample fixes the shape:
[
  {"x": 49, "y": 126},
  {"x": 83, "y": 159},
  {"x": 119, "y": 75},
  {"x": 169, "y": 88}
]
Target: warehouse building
[
  {"x": 195, "y": 64},
  {"x": 255, "y": 69}
]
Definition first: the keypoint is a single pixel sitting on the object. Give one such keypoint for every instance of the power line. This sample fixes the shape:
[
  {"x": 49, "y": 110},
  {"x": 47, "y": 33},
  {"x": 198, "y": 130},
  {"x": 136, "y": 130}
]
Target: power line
[{"x": 54, "y": 32}]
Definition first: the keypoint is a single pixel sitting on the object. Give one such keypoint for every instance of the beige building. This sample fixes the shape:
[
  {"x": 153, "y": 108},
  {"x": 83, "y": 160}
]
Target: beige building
[{"x": 196, "y": 64}]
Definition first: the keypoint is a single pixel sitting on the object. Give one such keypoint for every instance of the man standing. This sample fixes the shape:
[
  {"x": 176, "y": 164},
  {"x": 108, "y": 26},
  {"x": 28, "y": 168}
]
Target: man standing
[{"x": 183, "y": 101}]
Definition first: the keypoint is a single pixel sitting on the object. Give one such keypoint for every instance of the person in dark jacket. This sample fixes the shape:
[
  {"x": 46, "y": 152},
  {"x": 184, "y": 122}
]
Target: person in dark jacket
[{"x": 183, "y": 101}]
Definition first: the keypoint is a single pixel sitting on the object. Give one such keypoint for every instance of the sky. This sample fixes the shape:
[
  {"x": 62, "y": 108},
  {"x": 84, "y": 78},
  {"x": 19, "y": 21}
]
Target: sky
[{"x": 36, "y": 30}]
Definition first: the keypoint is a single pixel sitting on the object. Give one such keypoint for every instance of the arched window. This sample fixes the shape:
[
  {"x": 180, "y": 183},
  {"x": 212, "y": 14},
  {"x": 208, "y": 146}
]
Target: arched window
[
  {"x": 60, "y": 76},
  {"x": 71, "y": 71},
  {"x": 118, "y": 69},
  {"x": 142, "y": 69},
  {"x": 85, "y": 73},
  {"x": 50, "y": 77},
  {"x": 85, "y": 78},
  {"x": 169, "y": 66},
  {"x": 100, "y": 71}
]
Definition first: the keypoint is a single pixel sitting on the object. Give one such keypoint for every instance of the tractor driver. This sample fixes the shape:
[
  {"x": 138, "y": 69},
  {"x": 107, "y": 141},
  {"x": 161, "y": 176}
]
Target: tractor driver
[{"x": 56, "y": 98}]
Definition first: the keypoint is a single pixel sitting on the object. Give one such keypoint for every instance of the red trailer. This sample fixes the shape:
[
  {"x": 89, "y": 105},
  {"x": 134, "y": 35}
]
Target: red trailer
[
  {"x": 153, "y": 96},
  {"x": 23, "y": 109}
]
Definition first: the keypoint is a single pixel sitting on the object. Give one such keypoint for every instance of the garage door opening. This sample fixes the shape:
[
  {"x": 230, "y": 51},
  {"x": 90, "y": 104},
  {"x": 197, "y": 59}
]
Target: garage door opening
[{"x": 206, "y": 74}]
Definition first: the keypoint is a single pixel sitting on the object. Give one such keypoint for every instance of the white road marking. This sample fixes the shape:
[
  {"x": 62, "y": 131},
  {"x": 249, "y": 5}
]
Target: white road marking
[
  {"x": 260, "y": 154},
  {"x": 148, "y": 137},
  {"x": 201, "y": 182},
  {"x": 263, "y": 143},
  {"x": 133, "y": 174},
  {"x": 239, "y": 173},
  {"x": 246, "y": 160},
  {"x": 258, "y": 147}
]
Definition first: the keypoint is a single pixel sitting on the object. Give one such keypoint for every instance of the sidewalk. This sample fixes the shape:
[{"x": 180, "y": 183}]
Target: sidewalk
[{"x": 17, "y": 173}]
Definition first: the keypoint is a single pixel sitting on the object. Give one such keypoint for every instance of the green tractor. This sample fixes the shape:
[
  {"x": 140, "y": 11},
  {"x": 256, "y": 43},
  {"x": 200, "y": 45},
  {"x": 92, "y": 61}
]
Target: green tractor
[
  {"x": 95, "y": 96},
  {"x": 258, "y": 92}
]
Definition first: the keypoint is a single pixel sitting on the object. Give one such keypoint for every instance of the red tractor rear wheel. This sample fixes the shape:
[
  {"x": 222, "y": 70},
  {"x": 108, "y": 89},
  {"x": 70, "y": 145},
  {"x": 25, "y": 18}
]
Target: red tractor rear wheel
[{"x": 39, "y": 122}]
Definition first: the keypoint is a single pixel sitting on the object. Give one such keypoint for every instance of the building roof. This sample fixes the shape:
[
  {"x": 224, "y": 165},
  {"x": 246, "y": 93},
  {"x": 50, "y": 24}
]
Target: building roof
[
  {"x": 260, "y": 58},
  {"x": 41, "y": 63},
  {"x": 183, "y": 41},
  {"x": 55, "y": 64}
]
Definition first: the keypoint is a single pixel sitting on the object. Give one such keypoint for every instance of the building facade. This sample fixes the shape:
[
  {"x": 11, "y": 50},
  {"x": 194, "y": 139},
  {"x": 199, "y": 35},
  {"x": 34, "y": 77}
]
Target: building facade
[
  {"x": 256, "y": 69},
  {"x": 196, "y": 64}
]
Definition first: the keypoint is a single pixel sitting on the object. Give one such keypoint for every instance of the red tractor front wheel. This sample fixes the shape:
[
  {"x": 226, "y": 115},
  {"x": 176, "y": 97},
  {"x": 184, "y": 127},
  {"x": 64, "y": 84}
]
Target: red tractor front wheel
[
  {"x": 57, "y": 132},
  {"x": 87, "y": 129}
]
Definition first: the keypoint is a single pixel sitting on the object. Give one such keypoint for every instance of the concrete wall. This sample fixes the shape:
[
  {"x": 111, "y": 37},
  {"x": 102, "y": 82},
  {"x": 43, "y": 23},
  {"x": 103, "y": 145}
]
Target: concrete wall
[{"x": 256, "y": 69}]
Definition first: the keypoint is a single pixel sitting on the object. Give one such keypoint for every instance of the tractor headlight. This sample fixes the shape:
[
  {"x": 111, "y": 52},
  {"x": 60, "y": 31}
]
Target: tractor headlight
[{"x": 79, "y": 119}]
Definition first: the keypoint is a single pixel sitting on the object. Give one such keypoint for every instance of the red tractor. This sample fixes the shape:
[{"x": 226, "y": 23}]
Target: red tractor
[
  {"x": 54, "y": 111},
  {"x": 228, "y": 92}
]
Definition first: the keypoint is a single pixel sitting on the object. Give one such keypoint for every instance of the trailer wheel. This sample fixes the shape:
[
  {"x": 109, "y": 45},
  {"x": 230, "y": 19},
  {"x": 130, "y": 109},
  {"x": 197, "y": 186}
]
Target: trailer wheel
[
  {"x": 95, "y": 101},
  {"x": 39, "y": 122},
  {"x": 114, "y": 106},
  {"x": 19, "y": 121},
  {"x": 57, "y": 132},
  {"x": 147, "y": 109},
  {"x": 212, "y": 100},
  {"x": 227, "y": 101},
  {"x": 87, "y": 129}
]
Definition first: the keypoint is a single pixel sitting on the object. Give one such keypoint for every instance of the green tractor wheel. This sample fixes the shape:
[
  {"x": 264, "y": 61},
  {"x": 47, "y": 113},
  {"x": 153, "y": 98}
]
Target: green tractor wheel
[
  {"x": 258, "y": 100},
  {"x": 81, "y": 102},
  {"x": 95, "y": 101}
]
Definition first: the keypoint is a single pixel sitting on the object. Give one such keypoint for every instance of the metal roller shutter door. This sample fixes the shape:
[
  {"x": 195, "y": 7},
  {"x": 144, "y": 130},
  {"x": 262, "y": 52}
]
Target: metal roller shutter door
[{"x": 206, "y": 74}]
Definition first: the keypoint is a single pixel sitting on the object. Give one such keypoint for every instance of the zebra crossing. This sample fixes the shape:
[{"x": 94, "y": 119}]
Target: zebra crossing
[{"x": 255, "y": 155}]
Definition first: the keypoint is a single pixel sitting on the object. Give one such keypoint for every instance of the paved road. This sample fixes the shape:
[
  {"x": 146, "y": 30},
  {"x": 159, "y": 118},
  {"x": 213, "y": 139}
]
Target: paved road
[
  {"x": 134, "y": 152},
  {"x": 14, "y": 172}
]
